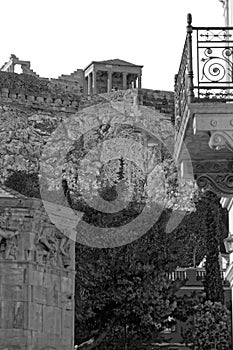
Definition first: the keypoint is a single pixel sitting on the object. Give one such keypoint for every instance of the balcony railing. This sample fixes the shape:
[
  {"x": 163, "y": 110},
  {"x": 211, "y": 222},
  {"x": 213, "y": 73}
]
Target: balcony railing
[
  {"x": 206, "y": 68},
  {"x": 193, "y": 275}
]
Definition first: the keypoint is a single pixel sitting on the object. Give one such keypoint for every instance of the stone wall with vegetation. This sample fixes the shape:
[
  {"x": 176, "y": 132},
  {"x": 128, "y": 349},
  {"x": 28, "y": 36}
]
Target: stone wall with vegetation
[
  {"x": 34, "y": 263},
  {"x": 30, "y": 110}
]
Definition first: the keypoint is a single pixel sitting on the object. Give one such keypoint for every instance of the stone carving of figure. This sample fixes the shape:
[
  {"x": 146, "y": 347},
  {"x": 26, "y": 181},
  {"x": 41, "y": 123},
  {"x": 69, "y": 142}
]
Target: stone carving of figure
[
  {"x": 53, "y": 247},
  {"x": 47, "y": 245},
  {"x": 7, "y": 234},
  {"x": 64, "y": 248},
  {"x": 11, "y": 246}
]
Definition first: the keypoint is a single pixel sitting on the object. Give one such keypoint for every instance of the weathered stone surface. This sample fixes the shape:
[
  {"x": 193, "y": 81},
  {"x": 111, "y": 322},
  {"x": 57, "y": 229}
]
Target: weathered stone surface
[
  {"x": 37, "y": 262},
  {"x": 32, "y": 291}
]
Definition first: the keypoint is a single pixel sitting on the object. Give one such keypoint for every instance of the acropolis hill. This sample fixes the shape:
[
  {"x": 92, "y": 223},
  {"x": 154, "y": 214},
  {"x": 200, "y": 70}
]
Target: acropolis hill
[{"x": 36, "y": 258}]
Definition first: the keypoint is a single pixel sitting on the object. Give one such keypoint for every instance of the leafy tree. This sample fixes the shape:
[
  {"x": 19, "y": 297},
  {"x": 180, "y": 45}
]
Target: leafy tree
[
  {"x": 210, "y": 328},
  {"x": 213, "y": 285},
  {"x": 125, "y": 287},
  {"x": 24, "y": 183}
]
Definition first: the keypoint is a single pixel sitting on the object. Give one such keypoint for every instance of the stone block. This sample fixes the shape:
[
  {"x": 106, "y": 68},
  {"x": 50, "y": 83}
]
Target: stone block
[
  {"x": 35, "y": 276},
  {"x": 51, "y": 320},
  {"x": 67, "y": 319},
  {"x": 15, "y": 339},
  {"x": 39, "y": 294},
  {"x": 66, "y": 284},
  {"x": 12, "y": 273},
  {"x": 11, "y": 314},
  {"x": 52, "y": 297},
  {"x": 12, "y": 292},
  {"x": 67, "y": 337},
  {"x": 35, "y": 317}
]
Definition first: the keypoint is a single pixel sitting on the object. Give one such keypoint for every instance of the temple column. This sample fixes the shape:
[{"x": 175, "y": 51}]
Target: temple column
[
  {"x": 85, "y": 86},
  {"x": 139, "y": 81},
  {"x": 89, "y": 84},
  {"x": 109, "y": 81},
  {"x": 124, "y": 80},
  {"x": 94, "y": 90}
]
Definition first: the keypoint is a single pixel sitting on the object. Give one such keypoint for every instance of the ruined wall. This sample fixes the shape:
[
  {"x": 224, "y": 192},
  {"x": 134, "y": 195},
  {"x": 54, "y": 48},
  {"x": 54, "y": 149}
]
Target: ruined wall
[
  {"x": 36, "y": 279},
  {"x": 30, "y": 110}
]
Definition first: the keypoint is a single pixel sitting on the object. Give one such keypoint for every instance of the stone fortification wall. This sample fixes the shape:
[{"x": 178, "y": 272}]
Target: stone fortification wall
[{"x": 30, "y": 111}]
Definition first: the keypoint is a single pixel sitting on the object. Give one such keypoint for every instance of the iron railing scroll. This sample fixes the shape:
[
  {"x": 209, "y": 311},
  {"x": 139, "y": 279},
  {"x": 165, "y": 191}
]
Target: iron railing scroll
[{"x": 206, "y": 69}]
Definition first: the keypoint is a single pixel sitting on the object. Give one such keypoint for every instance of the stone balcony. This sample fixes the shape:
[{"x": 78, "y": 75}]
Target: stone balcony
[{"x": 204, "y": 108}]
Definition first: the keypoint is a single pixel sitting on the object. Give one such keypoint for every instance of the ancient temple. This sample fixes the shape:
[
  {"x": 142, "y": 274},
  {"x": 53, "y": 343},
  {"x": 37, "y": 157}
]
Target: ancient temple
[
  {"x": 97, "y": 77},
  {"x": 110, "y": 75}
]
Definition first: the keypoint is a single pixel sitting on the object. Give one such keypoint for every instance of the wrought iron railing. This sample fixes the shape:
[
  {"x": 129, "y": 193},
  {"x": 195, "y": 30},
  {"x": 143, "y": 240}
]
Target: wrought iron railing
[{"x": 206, "y": 68}]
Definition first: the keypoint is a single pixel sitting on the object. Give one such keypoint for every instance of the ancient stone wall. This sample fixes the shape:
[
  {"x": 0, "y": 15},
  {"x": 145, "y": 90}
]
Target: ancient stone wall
[
  {"x": 37, "y": 262},
  {"x": 36, "y": 279},
  {"x": 30, "y": 111}
]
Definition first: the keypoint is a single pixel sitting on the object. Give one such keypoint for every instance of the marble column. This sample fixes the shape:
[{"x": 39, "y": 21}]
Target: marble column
[
  {"x": 124, "y": 80},
  {"x": 94, "y": 88},
  {"x": 139, "y": 81},
  {"x": 109, "y": 81},
  {"x": 89, "y": 84},
  {"x": 135, "y": 82},
  {"x": 85, "y": 86}
]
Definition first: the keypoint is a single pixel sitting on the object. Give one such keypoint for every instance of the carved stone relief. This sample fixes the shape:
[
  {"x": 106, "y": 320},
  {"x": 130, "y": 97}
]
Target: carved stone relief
[
  {"x": 9, "y": 235},
  {"x": 221, "y": 184},
  {"x": 221, "y": 139},
  {"x": 52, "y": 247}
]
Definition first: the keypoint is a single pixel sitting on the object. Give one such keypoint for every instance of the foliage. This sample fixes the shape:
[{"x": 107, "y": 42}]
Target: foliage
[
  {"x": 126, "y": 286},
  {"x": 24, "y": 183},
  {"x": 213, "y": 282},
  {"x": 210, "y": 328}
]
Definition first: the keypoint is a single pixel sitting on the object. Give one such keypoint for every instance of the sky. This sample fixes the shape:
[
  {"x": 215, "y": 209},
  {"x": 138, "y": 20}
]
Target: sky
[{"x": 60, "y": 36}]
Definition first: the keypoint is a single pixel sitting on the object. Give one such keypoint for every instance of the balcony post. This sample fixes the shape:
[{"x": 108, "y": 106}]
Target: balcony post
[{"x": 190, "y": 59}]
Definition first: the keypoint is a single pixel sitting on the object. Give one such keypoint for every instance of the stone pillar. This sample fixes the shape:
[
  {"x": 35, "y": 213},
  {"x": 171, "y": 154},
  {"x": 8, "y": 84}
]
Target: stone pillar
[
  {"x": 85, "y": 86},
  {"x": 36, "y": 279},
  {"x": 139, "y": 81},
  {"x": 135, "y": 82},
  {"x": 94, "y": 87},
  {"x": 109, "y": 81},
  {"x": 89, "y": 84},
  {"x": 124, "y": 80}
]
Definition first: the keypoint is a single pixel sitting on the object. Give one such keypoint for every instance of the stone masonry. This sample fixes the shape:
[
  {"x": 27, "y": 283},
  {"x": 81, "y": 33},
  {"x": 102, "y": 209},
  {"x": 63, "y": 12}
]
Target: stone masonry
[
  {"x": 37, "y": 260},
  {"x": 36, "y": 278}
]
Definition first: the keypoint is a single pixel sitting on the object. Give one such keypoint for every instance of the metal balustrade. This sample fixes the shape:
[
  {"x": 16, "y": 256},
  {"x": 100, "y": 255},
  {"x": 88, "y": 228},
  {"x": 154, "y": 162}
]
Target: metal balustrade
[{"x": 206, "y": 69}]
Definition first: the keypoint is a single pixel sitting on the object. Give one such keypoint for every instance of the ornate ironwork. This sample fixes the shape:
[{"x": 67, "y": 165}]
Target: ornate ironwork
[
  {"x": 181, "y": 86},
  {"x": 214, "y": 34},
  {"x": 209, "y": 74},
  {"x": 214, "y": 57}
]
